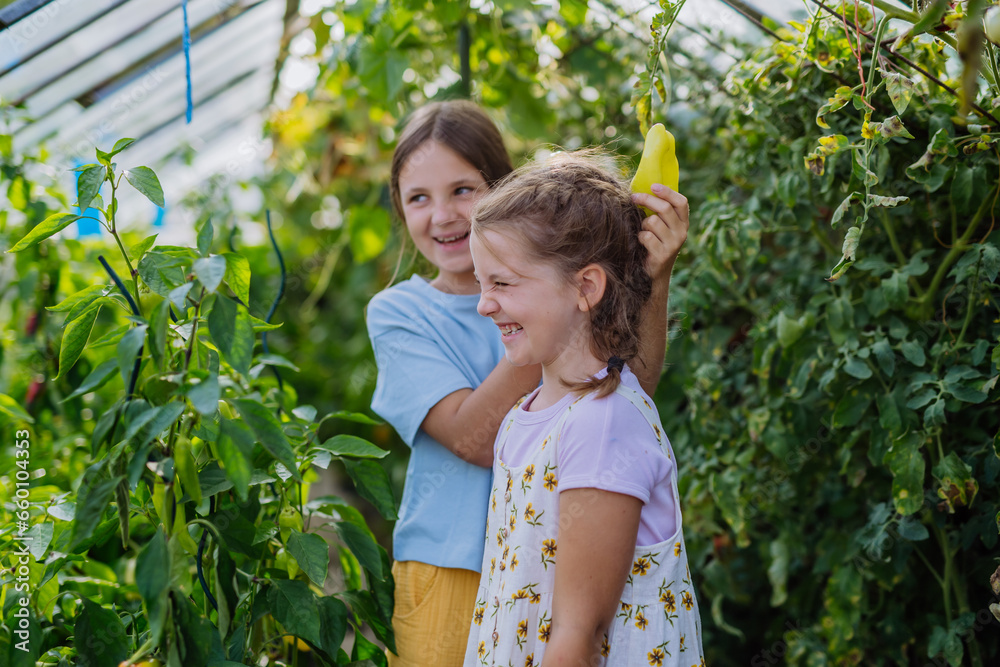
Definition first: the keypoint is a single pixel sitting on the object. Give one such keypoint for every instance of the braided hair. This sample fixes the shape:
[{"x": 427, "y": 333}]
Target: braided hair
[{"x": 572, "y": 210}]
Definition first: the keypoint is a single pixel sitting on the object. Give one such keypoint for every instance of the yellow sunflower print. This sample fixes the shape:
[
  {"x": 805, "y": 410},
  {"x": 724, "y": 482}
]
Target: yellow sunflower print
[
  {"x": 605, "y": 646},
  {"x": 655, "y": 657},
  {"x": 530, "y": 660},
  {"x": 482, "y": 649},
  {"x": 522, "y": 628},
  {"x": 640, "y": 567},
  {"x": 549, "y": 548},
  {"x": 677, "y": 549},
  {"x": 543, "y": 632},
  {"x": 669, "y": 603},
  {"x": 478, "y": 618},
  {"x": 550, "y": 482},
  {"x": 687, "y": 600},
  {"x": 529, "y": 472},
  {"x": 640, "y": 621}
]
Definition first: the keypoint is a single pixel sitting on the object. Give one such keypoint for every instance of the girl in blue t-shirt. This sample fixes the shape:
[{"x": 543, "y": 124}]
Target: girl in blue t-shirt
[{"x": 443, "y": 382}]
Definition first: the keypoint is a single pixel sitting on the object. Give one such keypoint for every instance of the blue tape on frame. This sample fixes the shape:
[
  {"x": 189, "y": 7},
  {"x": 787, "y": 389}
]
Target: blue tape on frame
[{"x": 187, "y": 60}]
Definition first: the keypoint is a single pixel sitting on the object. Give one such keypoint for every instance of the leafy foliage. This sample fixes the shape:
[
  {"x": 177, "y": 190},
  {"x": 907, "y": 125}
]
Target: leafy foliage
[{"x": 176, "y": 526}]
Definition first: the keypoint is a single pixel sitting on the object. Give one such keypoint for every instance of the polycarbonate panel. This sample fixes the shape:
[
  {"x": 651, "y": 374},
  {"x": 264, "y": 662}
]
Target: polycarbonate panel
[
  {"x": 58, "y": 70},
  {"x": 158, "y": 95},
  {"x": 46, "y": 26}
]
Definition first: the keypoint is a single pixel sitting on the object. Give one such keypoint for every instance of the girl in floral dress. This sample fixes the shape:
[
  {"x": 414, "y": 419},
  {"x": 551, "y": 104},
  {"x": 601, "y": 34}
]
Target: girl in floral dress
[{"x": 584, "y": 560}]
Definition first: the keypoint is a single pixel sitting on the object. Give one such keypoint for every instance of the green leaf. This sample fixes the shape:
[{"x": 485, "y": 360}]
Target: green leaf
[
  {"x": 333, "y": 624},
  {"x": 162, "y": 272},
  {"x": 137, "y": 251},
  {"x": 296, "y": 608},
  {"x": 238, "y": 276},
  {"x": 896, "y": 289},
  {"x": 145, "y": 181},
  {"x": 88, "y": 184},
  {"x": 235, "y": 449},
  {"x": 885, "y": 356},
  {"x": 121, "y": 145},
  {"x": 362, "y": 545},
  {"x": 312, "y": 553},
  {"x": 850, "y": 408},
  {"x": 232, "y": 332},
  {"x": 352, "y": 446},
  {"x": 968, "y": 188},
  {"x": 857, "y": 368},
  {"x": 187, "y": 469},
  {"x": 268, "y": 432},
  {"x": 41, "y": 537},
  {"x": 205, "y": 395},
  {"x": 777, "y": 572},
  {"x": 372, "y": 484},
  {"x": 45, "y": 229},
  {"x": 158, "y": 320},
  {"x": 129, "y": 348},
  {"x": 843, "y": 208},
  {"x": 789, "y": 330},
  {"x": 152, "y": 578},
  {"x": 913, "y": 353},
  {"x": 205, "y": 236},
  {"x": 12, "y": 408},
  {"x": 906, "y": 462},
  {"x": 210, "y": 271},
  {"x": 888, "y": 413},
  {"x": 178, "y": 297},
  {"x": 74, "y": 340},
  {"x": 94, "y": 499},
  {"x": 109, "y": 644},
  {"x": 934, "y": 414},
  {"x": 886, "y": 202},
  {"x": 84, "y": 298},
  {"x": 95, "y": 379}
]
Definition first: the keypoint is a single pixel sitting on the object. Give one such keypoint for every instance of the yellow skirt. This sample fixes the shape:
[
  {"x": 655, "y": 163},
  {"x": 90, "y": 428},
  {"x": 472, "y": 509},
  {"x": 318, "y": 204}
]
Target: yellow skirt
[{"x": 432, "y": 614}]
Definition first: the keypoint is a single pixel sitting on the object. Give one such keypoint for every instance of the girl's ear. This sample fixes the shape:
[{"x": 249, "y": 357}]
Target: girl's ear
[{"x": 591, "y": 280}]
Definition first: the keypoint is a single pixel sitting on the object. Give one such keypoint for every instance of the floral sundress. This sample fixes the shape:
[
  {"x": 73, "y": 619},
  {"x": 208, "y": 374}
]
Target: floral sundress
[{"x": 657, "y": 622}]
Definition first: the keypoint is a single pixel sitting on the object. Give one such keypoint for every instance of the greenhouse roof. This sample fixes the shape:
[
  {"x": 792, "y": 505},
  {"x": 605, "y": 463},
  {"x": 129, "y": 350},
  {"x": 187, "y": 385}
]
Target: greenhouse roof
[{"x": 89, "y": 72}]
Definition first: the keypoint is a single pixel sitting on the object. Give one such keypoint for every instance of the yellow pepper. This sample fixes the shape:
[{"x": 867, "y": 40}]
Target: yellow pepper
[{"x": 658, "y": 163}]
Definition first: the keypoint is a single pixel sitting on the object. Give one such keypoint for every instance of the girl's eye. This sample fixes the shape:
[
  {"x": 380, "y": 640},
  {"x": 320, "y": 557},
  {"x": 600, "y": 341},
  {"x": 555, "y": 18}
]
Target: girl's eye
[
  {"x": 500, "y": 284},
  {"x": 463, "y": 190},
  {"x": 417, "y": 198}
]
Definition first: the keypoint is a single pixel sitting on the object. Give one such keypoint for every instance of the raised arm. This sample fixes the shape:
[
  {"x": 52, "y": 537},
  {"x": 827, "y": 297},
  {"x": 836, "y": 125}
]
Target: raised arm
[
  {"x": 597, "y": 535},
  {"x": 466, "y": 421},
  {"x": 663, "y": 234}
]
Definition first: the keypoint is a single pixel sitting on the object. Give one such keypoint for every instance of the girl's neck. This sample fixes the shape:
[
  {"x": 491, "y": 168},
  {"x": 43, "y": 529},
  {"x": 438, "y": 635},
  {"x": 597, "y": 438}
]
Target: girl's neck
[
  {"x": 455, "y": 284},
  {"x": 553, "y": 389}
]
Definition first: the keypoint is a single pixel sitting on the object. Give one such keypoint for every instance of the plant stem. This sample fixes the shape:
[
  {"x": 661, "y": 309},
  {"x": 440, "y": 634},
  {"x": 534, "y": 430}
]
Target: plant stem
[
  {"x": 942, "y": 537},
  {"x": 955, "y": 251},
  {"x": 113, "y": 207},
  {"x": 895, "y": 12},
  {"x": 968, "y": 309}
]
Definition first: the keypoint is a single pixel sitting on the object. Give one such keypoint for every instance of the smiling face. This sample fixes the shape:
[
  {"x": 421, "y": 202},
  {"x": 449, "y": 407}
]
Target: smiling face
[
  {"x": 542, "y": 317},
  {"x": 437, "y": 189}
]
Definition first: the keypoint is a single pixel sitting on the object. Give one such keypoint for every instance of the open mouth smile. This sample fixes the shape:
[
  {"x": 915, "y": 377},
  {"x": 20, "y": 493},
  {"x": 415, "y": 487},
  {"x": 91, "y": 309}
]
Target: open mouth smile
[{"x": 450, "y": 240}]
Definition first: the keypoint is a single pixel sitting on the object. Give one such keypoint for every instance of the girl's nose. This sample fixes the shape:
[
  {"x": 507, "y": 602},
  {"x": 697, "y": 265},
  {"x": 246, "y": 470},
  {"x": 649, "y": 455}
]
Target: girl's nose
[
  {"x": 443, "y": 212},
  {"x": 486, "y": 306}
]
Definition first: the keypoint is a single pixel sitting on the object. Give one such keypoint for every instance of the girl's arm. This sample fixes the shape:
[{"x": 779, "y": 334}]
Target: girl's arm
[
  {"x": 663, "y": 234},
  {"x": 466, "y": 421},
  {"x": 597, "y": 534}
]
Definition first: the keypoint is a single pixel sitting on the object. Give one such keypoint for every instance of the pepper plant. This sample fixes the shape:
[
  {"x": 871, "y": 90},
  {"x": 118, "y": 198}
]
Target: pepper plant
[{"x": 189, "y": 537}]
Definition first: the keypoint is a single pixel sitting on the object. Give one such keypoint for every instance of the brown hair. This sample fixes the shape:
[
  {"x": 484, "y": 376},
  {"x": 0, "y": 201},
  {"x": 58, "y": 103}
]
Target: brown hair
[{"x": 572, "y": 210}]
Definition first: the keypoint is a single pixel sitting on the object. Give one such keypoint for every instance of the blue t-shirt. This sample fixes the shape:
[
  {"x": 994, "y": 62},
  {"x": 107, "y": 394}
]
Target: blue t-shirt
[{"x": 427, "y": 345}]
